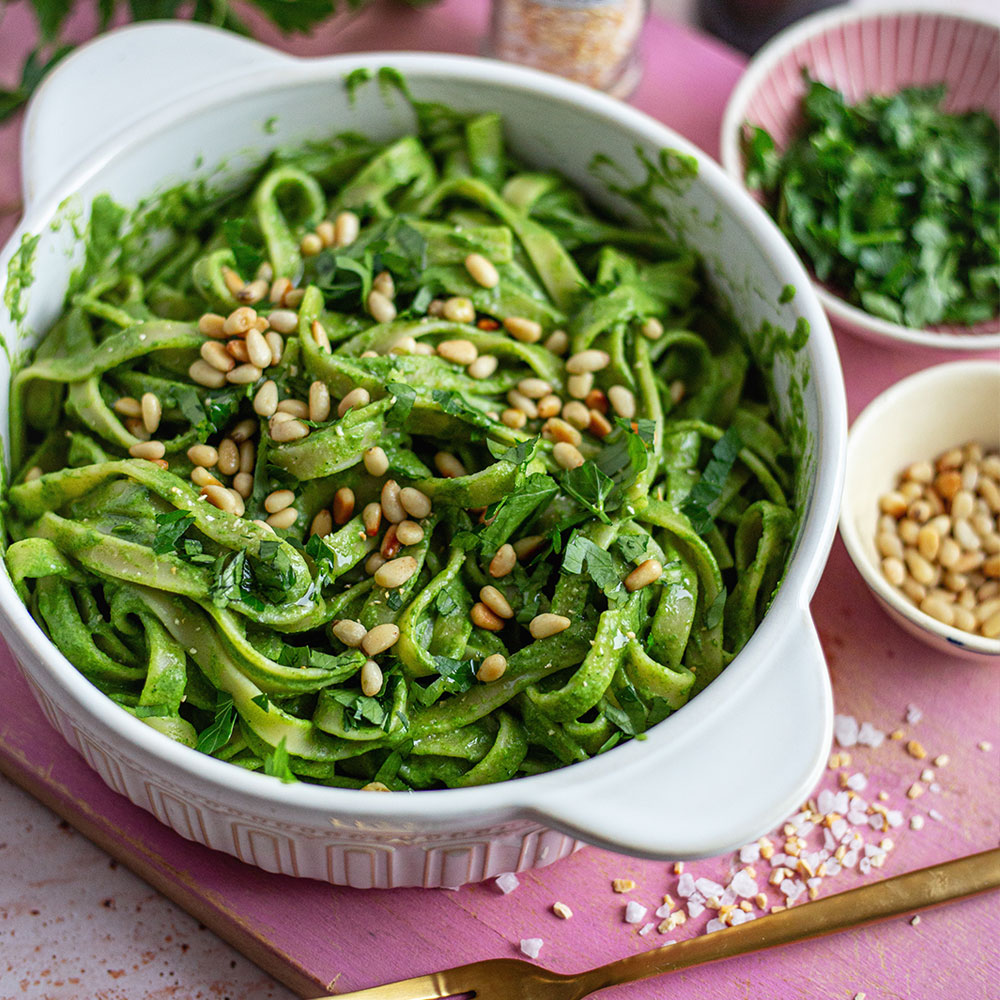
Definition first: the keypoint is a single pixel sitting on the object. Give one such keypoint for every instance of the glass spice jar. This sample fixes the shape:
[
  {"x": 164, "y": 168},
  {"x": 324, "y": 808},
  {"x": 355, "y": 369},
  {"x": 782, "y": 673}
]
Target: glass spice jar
[{"x": 590, "y": 41}]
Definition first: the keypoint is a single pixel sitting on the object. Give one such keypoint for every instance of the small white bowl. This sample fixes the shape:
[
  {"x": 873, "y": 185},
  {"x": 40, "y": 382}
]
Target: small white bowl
[
  {"x": 860, "y": 52},
  {"x": 918, "y": 418}
]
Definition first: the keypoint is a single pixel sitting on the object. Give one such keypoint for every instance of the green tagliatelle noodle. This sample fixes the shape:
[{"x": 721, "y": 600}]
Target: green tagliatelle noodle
[{"x": 204, "y": 610}]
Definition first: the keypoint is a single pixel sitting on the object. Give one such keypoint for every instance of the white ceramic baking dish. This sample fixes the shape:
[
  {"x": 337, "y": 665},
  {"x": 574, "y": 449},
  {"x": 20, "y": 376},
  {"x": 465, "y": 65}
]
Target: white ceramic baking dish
[{"x": 126, "y": 115}]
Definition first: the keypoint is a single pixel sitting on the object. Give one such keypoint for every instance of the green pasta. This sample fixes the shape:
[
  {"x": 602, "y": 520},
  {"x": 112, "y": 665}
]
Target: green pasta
[{"x": 401, "y": 468}]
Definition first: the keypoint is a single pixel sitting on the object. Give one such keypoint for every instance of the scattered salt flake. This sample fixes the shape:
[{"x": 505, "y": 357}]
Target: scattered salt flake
[
  {"x": 829, "y": 841},
  {"x": 859, "y": 996},
  {"x": 744, "y": 885},
  {"x": 749, "y": 854},
  {"x": 845, "y": 729},
  {"x": 531, "y": 946},
  {"x": 646, "y": 928},
  {"x": 850, "y": 859},
  {"x": 738, "y": 917},
  {"x": 507, "y": 882},
  {"x": 824, "y": 801},
  {"x": 913, "y": 714},
  {"x": 838, "y": 827},
  {"x": 872, "y": 850},
  {"x": 927, "y": 775},
  {"x": 916, "y": 822},
  {"x": 984, "y": 745},
  {"x": 858, "y": 817},
  {"x": 729, "y": 896},
  {"x": 934, "y": 787},
  {"x": 664, "y": 911},
  {"x": 841, "y": 802},
  {"x": 714, "y": 925},
  {"x": 634, "y": 912},
  {"x": 869, "y": 736},
  {"x": 875, "y": 821},
  {"x": 857, "y": 782},
  {"x": 707, "y": 887},
  {"x": 915, "y": 919},
  {"x": 894, "y": 818},
  {"x": 864, "y": 866},
  {"x": 685, "y": 885},
  {"x": 941, "y": 760},
  {"x": 833, "y": 867},
  {"x": 935, "y": 815},
  {"x": 694, "y": 908},
  {"x": 778, "y": 860},
  {"x": 668, "y": 941}
]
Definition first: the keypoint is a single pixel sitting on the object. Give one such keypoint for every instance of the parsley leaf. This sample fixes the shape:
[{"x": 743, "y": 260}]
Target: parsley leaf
[
  {"x": 171, "y": 525},
  {"x": 216, "y": 735},
  {"x": 246, "y": 256},
  {"x": 458, "y": 675},
  {"x": 709, "y": 486},
  {"x": 590, "y": 487},
  {"x": 405, "y": 394},
  {"x": 276, "y": 764},
  {"x": 583, "y": 555}
]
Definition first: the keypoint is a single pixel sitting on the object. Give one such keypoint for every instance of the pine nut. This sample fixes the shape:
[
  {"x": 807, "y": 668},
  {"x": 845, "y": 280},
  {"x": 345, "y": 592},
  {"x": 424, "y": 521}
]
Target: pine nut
[
  {"x": 200, "y": 476},
  {"x": 949, "y": 552},
  {"x": 219, "y": 496},
  {"x": 319, "y": 402},
  {"x": 278, "y": 500},
  {"x": 343, "y": 505},
  {"x": 963, "y": 534},
  {"x": 963, "y": 618},
  {"x": 557, "y": 429},
  {"x": 376, "y": 461},
  {"x": 534, "y": 388},
  {"x": 950, "y": 460},
  {"x": 482, "y": 271},
  {"x": 232, "y": 280},
  {"x": 920, "y": 569},
  {"x": 939, "y": 609},
  {"x": 311, "y": 245},
  {"x": 908, "y": 531},
  {"x": 296, "y": 407},
  {"x": 371, "y": 516},
  {"x": 578, "y": 386},
  {"x": 521, "y": 402},
  {"x": 371, "y": 684},
  {"x": 956, "y": 582},
  {"x": 258, "y": 351},
  {"x": 137, "y": 429},
  {"x": 622, "y": 401},
  {"x": 969, "y": 561},
  {"x": 380, "y": 638},
  {"x": 286, "y": 430},
  {"x": 210, "y": 324},
  {"x": 916, "y": 592},
  {"x": 293, "y": 298},
  {"x": 652, "y": 329},
  {"x": 503, "y": 562},
  {"x": 229, "y": 457},
  {"x": 238, "y": 502},
  {"x": 243, "y": 484},
  {"x": 448, "y": 465},
  {"x": 276, "y": 345},
  {"x": 349, "y": 632},
  {"x": 893, "y": 503},
  {"x": 928, "y": 543},
  {"x": 383, "y": 283},
  {"x": 409, "y": 532},
  {"x": 991, "y": 566},
  {"x": 390, "y": 543},
  {"x": 148, "y": 449},
  {"x": 202, "y": 454},
  {"x": 381, "y": 307},
  {"x": 948, "y": 483},
  {"x": 215, "y": 354},
  {"x": 643, "y": 575},
  {"x": 322, "y": 524},
  {"x": 549, "y": 406},
  {"x": 483, "y": 366},
  {"x": 458, "y": 309},
  {"x": 894, "y": 570},
  {"x": 396, "y": 572},
  {"x": 320, "y": 336},
  {"x": 355, "y": 398},
  {"x": 326, "y": 232},
  {"x": 525, "y": 548},
  {"x": 280, "y": 287},
  {"x": 461, "y": 352},
  {"x": 483, "y": 617},
  {"x": 557, "y": 342},
  {"x": 496, "y": 602},
  {"x": 252, "y": 292},
  {"x": 911, "y": 491},
  {"x": 239, "y": 321},
  {"x": 237, "y": 350},
  {"x": 567, "y": 455},
  {"x": 545, "y": 625},
  {"x": 576, "y": 414},
  {"x": 991, "y": 627},
  {"x": 591, "y": 360},
  {"x": 128, "y": 406},
  {"x": 492, "y": 668},
  {"x": 415, "y": 503},
  {"x": 392, "y": 508},
  {"x": 404, "y": 345},
  {"x": 346, "y": 228},
  {"x": 244, "y": 375},
  {"x": 527, "y": 331},
  {"x": 514, "y": 419},
  {"x": 599, "y": 425},
  {"x": 283, "y": 519},
  {"x": 248, "y": 457},
  {"x": 890, "y": 545}
]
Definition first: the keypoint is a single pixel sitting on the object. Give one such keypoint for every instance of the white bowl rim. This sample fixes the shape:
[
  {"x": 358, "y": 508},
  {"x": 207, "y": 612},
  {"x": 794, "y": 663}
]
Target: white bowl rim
[
  {"x": 952, "y": 371},
  {"x": 524, "y": 796},
  {"x": 758, "y": 69}
]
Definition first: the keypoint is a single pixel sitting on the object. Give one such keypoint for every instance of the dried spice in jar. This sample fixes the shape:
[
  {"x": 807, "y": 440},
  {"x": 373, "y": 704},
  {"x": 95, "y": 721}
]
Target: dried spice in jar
[{"x": 591, "y": 41}]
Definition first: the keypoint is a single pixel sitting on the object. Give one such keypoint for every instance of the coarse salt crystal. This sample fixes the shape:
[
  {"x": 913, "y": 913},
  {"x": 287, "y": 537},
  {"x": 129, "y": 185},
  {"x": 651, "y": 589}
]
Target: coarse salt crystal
[
  {"x": 857, "y": 817},
  {"x": 864, "y": 866},
  {"x": 850, "y": 859},
  {"x": 871, "y": 850},
  {"x": 634, "y": 912},
  {"x": 916, "y": 822},
  {"x": 749, "y": 854},
  {"x": 875, "y": 821},
  {"x": 825, "y": 801},
  {"x": 664, "y": 911},
  {"x": 915, "y": 919},
  {"x": 738, "y": 917},
  {"x": 841, "y": 802},
  {"x": 869, "y": 736},
  {"x": 838, "y": 827},
  {"x": 857, "y": 782},
  {"x": 829, "y": 841},
  {"x": 984, "y": 745},
  {"x": 714, "y": 925},
  {"x": 531, "y": 946},
  {"x": 833, "y": 867},
  {"x": 934, "y": 787},
  {"x": 845, "y": 729},
  {"x": 927, "y": 775},
  {"x": 707, "y": 887},
  {"x": 894, "y": 817},
  {"x": 859, "y": 996},
  {"x": 913, "y": 714},
  {"x": 685, "y": 884},
  {"x": 646, "y": 928},
  {"x": 814, "y": 883},
  {"x": 744, "y": 885},
  {"x": 935, "y": 815},
  {"x": 507, "y": 882},
  {"x": 694, "y": 908}
]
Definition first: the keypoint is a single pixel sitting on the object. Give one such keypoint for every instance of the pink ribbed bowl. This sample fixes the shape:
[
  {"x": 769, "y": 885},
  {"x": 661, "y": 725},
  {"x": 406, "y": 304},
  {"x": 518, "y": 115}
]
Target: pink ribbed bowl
[{"x": 861, "y": 52}]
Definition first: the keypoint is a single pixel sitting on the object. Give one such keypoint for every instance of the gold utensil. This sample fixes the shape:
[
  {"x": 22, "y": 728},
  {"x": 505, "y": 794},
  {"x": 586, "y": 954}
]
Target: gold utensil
[{"x": 512, "y": 979}]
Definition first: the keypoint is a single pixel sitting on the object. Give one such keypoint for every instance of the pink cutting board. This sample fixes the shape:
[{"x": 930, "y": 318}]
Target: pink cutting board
[{"x": 317, "y": 938}]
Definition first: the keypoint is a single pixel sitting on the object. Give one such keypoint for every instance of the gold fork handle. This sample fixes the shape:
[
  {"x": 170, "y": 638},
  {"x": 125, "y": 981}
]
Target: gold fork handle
[{"x": 883, "y": 900}]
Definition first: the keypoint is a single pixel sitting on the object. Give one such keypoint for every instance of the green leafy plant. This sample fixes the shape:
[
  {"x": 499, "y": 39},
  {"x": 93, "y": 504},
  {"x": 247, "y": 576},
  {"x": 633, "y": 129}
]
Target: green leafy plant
[{"x": 289, "y": 16}]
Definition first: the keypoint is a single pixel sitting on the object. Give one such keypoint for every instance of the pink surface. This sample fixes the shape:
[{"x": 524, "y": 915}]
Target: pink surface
[{"x": 316, "y": 937}]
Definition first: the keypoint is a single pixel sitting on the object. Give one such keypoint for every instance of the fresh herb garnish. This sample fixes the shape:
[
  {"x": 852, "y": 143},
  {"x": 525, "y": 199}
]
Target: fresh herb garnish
[
  {"x": 709, "y": 486},
  {"x": 170, "y": 526},
  {"x": 217, "y": 734},
  {"x": 276, "y": 763}
]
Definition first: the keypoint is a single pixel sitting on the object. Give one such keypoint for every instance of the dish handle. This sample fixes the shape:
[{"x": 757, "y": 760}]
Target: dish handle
[
  {"x": 108, "y": 86},
  {"x": 717, "y": 788}
]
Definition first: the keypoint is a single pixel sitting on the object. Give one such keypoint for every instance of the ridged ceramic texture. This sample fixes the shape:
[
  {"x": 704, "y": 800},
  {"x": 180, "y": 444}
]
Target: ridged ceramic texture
[{"x": 871, "y": 53}]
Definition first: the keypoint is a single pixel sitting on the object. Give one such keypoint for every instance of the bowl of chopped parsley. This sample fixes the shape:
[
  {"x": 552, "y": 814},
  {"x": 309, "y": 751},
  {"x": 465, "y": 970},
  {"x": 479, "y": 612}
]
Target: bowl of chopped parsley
[{"x": 871, "y": 138}]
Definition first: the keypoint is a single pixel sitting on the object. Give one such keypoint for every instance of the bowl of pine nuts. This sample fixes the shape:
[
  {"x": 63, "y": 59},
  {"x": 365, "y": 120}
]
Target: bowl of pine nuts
[{"x": 921, "y": 509}]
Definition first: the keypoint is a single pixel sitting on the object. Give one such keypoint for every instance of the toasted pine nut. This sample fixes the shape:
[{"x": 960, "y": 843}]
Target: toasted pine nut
[
  {"x": 409, "y": 532},
  {"x": 503, "y": 562},
  {"x": 483, "y": 617},
  {"x": 296, "y": 407},
  {"x": 461, "y": 352},
  {"x": 392, "y": 508},
  {"x": 545, "y": 625},
  {"x": 215, "y": 353},
  {"x": 890, "y": 545},
  {"x": 151, "y": 412},
  {"x": 200, "y": 476},
  {"x": 243, "y": 484},
  {"x": 376, "y": 461},
  {"x": 920, "y": 569},
  {"x": 527, "y": 331},
  {"x": 390, "y": 543},
  {"x": 557, "y": 342},
  {"x": 381, "y": 307},
  {"x": 576, "y": 414},
  {"x": 252, "y": 292},
  {"x": 210, "y": 324},
  {"x": 137, "y": 429},
  {"x": 229, "y": 457},
  {"x": 322, "y": 523},
  {"x": 939, "y": 609},
  {"x": 287, "y": 430},
  {"x": 596, "y": 400},
  {"x": 202, "y": 454},
  {"x": 276, "y": 344},
  {"x": 652, "y": 329},
  {"x": 278, "y": 500},
  {"x": 244, "y": 375},
  {"x": 928, "y": 543},
  {"x": 526, "y": 547},
  {"x": 894, "y": 570},
  {"x": 343, "y": 505},
  {"x": 496, "y": 602},
  {"x": 239, "y": 321},
  {"x": 372, "y": 518},
  {"x": 349, "y": 632},
  {"x": 591, "y": 360},
  {"x": 948, "y": 483},
  {"x": 415, "y": 503},
  {"x": 283, "y": 519},
  {"x": 448, "y": 465},
  {"x": 319, "y": 402},
  {"x": 383, "y": 283},
  {"x": 311, "y": 245},
  {"x": 521, "y": 402},
  {"x": 248, "y": 457},
  {"x": 128, "y": 406},
  {"x": 557, "y": 429},
  {"x": 148, "y": 449},
  {"x": 549, "y": 406},
  {"x": 258, "y": 351},
  {"x": 346, "y": 228},
  {"x": 320, "y": 335},
  {"x": 600, "y": 426},
  {"x": 920, "y": 472},
  {"x": 458, "y": 309},
  {"x": 404, "y": 345},
  {"x": 514, "y": 419},
  {"x": 380, "y": 638},
  {"x": 567, "y": 455},
  {"x": 284, "y": 320},
  {"x": 293, "y": 297},
  {"x": 492, "y": 668},
  {"x": 237, "y": 350},
  {"x": 219, "y": 496},
  {"x": 482, "y": 270},
  {"x": 355, "y": 398},
  {"x": 534, "y": 388},
  {"x": 483, "y": 366},
  {"x": 396, "y": 572},
  {"x": 964, "y": 534},
  {"x": 622, "y": 401},
  {"x": 280, "y": 288},
  {"x": 643, "y": 575},
  {"x": 232, "y": 280},
  {"x": 578, "y": 386},
  {"x": 326, "y": 232},
  {"x": 371, "y": 684}
]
